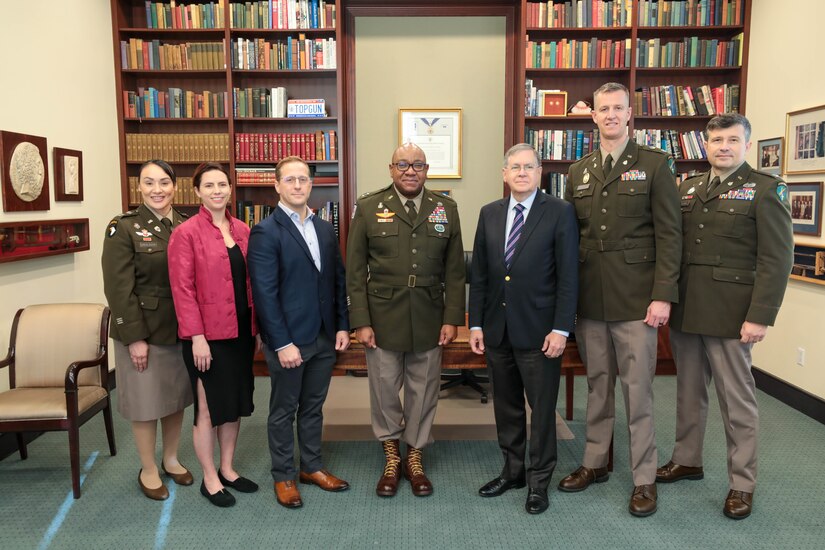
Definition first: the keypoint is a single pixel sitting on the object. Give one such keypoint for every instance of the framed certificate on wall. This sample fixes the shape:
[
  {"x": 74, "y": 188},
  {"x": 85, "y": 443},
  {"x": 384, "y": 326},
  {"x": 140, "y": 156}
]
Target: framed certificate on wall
[{"x": 438, "y": 133}]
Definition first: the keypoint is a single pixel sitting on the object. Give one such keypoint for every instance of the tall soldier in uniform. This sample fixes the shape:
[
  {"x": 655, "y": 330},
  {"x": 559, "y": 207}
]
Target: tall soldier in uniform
[
  {"x": 405, "y": 279},
  {"x": 738, "y": 252},
  {"x": 630, "y": 244}
]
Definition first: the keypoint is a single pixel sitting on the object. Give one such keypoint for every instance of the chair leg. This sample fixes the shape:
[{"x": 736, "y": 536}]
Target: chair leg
[
  {"x": 21, "y": 445},
  {"x": 74, "y": 455},
  {"x": 110, "y": 431}
]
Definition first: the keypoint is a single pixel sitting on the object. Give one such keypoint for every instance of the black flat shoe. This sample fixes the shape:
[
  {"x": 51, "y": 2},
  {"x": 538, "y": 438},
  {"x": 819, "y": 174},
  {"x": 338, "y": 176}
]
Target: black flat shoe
[
  {"x": 500, "y": 486},
  {"x": 222, "y": 498},
  {"x": 537, "y": 501},
  {"x": 241, "y": 484}
]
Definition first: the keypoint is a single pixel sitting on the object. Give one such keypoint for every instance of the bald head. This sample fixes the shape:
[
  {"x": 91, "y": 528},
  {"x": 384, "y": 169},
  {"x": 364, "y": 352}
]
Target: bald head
[{"x": 407, "y": 179}]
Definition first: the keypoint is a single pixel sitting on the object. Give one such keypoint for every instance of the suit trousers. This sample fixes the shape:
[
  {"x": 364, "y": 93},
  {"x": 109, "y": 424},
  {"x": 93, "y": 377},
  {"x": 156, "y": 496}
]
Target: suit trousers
[
  {"x": 300, "y": 390},
  {"x": 420, "y": 374},
  {"x": 626, "y": 348},
  {"x": 728, "y": 361},
  {"x": 514, "y": 373}
]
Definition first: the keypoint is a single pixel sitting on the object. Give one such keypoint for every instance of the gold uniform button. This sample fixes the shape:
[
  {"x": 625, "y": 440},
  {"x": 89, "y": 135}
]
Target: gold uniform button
[
  {"x": 503, "y": 304},
  {"x": 507, "y": 278},
  {"x": 731, "y": 210},
  {"x": 705, "y": 210},
  {"x": 604, "y": 210},
  {"x": 414, "y": 251},
  {"x": 698, "y": 241},
  {"x": 604, "y": 193},
  {"x": 414, "y": 235},
  {"x": 701, "y": 226},
  {"x": 383, "y": 232},
  {"x": 415, "y": 266},
  {"x": 603, "y": 228},
  {"x": 632, "y": 190}
]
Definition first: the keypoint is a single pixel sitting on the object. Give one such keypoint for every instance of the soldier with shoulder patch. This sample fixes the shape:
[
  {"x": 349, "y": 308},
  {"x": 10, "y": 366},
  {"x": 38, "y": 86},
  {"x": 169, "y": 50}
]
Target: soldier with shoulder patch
[
  {"x": 152, "y": 381},
  {"x": 738, "y": 253}
]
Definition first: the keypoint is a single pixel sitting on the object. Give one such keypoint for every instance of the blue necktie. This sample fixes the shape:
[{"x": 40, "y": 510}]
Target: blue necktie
[{"x": 515, "y": 233}]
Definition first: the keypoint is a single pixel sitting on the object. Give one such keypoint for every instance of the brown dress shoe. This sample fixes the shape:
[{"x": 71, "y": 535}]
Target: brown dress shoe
[
  {"x": 582, "y": 478},
  {"x": 388, "y": 484},
  {"x": 184, "y": 478},
  {"x": 414, "y": 471},
  {"x": 324, "y": 480},
  {"x": 671, "y": 472},
  {"x": 160, "y": 493},
  {"x": 738, "y": 505},
  {"x": 643, "y": 500},
  {"x": 287, "y": 494}
]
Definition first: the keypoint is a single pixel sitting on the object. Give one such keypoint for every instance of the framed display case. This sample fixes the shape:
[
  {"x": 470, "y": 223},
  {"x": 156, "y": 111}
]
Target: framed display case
[{"x": 34, "y": 239}]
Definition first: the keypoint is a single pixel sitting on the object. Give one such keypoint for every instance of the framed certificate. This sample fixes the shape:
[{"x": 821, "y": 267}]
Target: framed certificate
[{"x": 438, "y": 133}]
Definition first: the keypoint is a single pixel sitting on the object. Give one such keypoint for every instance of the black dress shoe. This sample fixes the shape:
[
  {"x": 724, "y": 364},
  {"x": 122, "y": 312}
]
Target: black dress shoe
[
  {"x": 222, "y": 499},
  {"x": 241, "y": 484},
  {"x": 499, "y": 486},
  {"x": 537, "y": 501}
]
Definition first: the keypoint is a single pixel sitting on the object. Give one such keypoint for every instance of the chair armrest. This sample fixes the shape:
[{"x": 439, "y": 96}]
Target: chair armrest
[{"x": 73, "y": 372}]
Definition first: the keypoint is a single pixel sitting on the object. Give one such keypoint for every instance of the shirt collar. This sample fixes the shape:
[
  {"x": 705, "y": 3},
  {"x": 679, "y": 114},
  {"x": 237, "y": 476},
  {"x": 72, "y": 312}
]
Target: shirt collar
[
  {"x": 157, "y": 214},
  {"x": 293, "y": 215},
  {"x": 723, "y": 175},
  {"x": 526, "y": 203},
  {"x": 615, "y": 153}
]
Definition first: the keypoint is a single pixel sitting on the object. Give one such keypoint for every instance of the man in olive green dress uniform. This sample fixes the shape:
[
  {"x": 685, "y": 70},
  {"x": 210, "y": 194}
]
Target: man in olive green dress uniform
[
  {"x": 405, "y": 280},
  {"x": 738, "y": 252},
  {"x": 630, "y": 245}
]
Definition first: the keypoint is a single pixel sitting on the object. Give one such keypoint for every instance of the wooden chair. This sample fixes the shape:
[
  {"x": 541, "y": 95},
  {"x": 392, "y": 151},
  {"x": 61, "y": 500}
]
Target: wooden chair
[{"x": 50, "y": 345}]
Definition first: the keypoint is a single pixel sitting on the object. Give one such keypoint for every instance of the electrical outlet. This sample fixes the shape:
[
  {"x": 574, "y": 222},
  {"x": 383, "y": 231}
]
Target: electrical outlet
[{"x": 800, "y": 357}]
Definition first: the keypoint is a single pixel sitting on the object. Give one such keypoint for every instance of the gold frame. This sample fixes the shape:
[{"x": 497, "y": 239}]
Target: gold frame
[
  {"x": 813, "y": 115},
  {"x": 444, "y": 154}
]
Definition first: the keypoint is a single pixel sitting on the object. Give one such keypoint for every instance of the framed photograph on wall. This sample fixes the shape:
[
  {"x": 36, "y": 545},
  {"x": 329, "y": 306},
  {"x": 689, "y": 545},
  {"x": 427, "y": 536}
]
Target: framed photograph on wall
[
  {"x": 769, "y": 155},
  {"x": 805, "y": 141},
  {"x": 806, "y": 208},
  {"x": 438, "y": 133},
  {"x": 68, "y": 174},
  {"x": 25, "y": 172}
]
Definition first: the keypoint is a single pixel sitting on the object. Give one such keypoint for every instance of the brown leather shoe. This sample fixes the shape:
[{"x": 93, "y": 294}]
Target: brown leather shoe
[
  {"x": 643, "y": 500},
  {"x": 160, "y": 493},
  {"x": 582, "y": 478},
  {"x": 738, "y": 505},
  {"x": 388, "y": 484},
  {"x": 414, "y": 471},
  {"x": 324, "y": 480},
  {"x": 181, "y": 479},
  {"x": 671, "y": 472},
  {"x": 287, "y": 494}
]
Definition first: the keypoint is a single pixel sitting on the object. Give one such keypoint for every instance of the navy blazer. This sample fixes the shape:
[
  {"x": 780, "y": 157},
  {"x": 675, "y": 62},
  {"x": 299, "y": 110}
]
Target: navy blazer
[
  {"x": 539, "y": 291},
  {"x": 292, "y": 298}
]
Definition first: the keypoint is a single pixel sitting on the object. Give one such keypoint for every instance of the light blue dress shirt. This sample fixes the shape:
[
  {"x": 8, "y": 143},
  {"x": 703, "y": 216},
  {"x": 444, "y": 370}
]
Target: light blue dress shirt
[{"x": 307, "y": 231}]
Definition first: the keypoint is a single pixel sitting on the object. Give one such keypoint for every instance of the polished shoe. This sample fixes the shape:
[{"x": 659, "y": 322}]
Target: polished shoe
[
  {"x": 738, "y": 504},
  {"x": 240, "y": 484},
  {"x": 671, "y": 472},
  {"x": 161, "y": 493},
  {"x": 221, "y": 499},
  {"x": 181, "y": 479},
  {"x": 537, "y": 501},
  {"x": 287, "y": 494},
  {"x": 388, "y": 484},
  {"x": 324, "y": 480},
  {"x": 499, "y": 486},
  {"x": 582, "y": 478},
  {"x": 414, "y": 471},
  {"x": 643, "y": 500}
]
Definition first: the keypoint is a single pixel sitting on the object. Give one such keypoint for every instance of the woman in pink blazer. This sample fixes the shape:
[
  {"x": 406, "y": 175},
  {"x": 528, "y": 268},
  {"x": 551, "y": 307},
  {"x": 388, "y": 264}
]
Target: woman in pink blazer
[{"x": 213, "y": 304}]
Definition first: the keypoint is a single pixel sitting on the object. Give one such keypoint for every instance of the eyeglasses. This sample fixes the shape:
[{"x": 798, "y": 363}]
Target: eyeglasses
[
  {"x": 516, "y": 168},
  {"x": 290, "y": 180},
  {"x": 403, "y": 166}
]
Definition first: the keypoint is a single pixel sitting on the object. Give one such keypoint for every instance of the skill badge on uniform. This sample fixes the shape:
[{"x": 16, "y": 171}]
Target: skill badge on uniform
[
  {"x": 586, "y": 177},
  {"x": 157, "y": 228},
  {"x": 143, "y": 233},
  {"x": 782, "y": 192},
  {"x": 386, "y": 214},
  {"x": 136, "y": 225},
  {"x": 691, "y": 190},
  {"x": 634, "y": 175},
  {"x": 438, "y": 227},
  {"x": 439, "y": 216},
  {"x": 749, "y": 184}
]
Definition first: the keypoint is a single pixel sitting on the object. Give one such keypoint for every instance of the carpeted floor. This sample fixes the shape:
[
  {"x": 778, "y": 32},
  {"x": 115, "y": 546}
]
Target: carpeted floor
[{"x": 37, "y": 509}]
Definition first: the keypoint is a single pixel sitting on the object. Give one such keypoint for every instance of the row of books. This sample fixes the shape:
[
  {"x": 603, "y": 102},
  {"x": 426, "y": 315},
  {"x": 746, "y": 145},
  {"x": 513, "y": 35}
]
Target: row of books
[
  {"x": 328, "y": 212},
  {"x": 562, "y": 144},
  {"x": 578, "y": 54},
  {"x": 681, "y": 13},
  {"x": 579, "y": 13},
  {"x": 272, "y": 147},
  {"x": 251, "y": 213},
  {"x": 174, "y": 103},
  {"x": 290, "y": 54},
  {"x": 282, "y": 14},
  {"x": 184, "y": 192},
  {"x": 177, "y": 147},
  {"x": 682, "y": 145},
  {"x": 555, "y": 183},
  {"x": 673, "y": 100},
  {"x": 259, "y": 102},
  {"x": 170, "y": 15},
  {"x": 255, "y": 175},
  {"x": 151, "y": 54},
  {"x": 691, "y": 51}
]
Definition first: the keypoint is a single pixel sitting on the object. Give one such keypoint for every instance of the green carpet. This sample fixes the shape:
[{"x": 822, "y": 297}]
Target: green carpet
[{"x": 37, "y": 510}]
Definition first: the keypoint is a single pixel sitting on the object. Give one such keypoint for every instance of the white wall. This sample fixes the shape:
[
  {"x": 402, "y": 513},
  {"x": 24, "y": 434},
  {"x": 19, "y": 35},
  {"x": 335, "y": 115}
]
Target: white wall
[
  {"x": 786, "y": 74},
  {"x": 58, "y": 83}
]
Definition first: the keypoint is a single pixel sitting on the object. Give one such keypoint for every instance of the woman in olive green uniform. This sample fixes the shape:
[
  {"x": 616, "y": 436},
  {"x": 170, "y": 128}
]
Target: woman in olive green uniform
[{"x": 152, "y": 382}]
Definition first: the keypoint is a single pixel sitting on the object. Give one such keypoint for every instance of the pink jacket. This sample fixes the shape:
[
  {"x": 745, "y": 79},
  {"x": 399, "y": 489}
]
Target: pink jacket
[{"x": 201, "y": 278}]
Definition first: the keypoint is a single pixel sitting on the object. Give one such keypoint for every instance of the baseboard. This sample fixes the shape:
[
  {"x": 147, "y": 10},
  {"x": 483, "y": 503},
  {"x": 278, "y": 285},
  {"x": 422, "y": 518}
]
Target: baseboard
[
  {"x": 8, "y": 442},
  {"x": 792, "y": 396}
]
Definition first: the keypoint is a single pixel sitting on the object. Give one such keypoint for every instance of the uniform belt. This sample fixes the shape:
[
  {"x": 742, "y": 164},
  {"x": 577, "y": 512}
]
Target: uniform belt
[
  {"x": 156, "y": 291},
  {"x": 624, "y": 244},
  {"x": 405, "y": 280},
  {"x": 716, "y": 260}
]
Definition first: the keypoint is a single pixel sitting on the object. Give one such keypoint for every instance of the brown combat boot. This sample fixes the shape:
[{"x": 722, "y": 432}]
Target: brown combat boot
[
  {"x": 414, "y": 471},
  {"x": 388, "y": 484}
]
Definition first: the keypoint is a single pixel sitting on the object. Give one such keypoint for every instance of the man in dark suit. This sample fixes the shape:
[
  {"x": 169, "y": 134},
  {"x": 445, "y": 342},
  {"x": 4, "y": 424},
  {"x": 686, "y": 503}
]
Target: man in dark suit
[
  {"x": 523, "y": 287},
  {"x": 299, "y": 292}
]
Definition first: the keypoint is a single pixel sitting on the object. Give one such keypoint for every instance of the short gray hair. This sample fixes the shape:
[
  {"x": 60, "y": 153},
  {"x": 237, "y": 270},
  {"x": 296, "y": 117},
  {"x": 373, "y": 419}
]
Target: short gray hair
[
  {"x": 519, "y": 147},
  {"x": 608, "y": 87},
  {"x": 720, "y": 122}
]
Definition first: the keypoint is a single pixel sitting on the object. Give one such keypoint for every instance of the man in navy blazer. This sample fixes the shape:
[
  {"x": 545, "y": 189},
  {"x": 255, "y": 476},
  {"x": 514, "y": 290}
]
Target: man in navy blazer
[
  {"x": 523, "y": 291},
  {"x": 299, "y": 291}
]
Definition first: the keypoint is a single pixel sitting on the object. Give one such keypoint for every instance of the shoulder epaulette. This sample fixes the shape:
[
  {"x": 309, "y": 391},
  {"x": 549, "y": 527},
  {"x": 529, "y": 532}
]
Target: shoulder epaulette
[
  {"x": 371, "y": 193},
  {"x": 774, "y": 176},
  {"x": 654, "y": 150},
  {"x": 442, "y": 197}
]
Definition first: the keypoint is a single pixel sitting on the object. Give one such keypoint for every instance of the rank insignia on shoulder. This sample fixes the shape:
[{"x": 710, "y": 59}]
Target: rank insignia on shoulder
[{"x": 782, "y": 192}]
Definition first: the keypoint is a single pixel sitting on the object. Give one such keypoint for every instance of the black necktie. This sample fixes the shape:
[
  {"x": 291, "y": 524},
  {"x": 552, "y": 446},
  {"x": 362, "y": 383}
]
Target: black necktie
[
  {"x": 411, "y": 210},
  {"x": 167, "y": 223},
  {"x": 608, "y": 164},
  {"x": 714, "y": 184}
]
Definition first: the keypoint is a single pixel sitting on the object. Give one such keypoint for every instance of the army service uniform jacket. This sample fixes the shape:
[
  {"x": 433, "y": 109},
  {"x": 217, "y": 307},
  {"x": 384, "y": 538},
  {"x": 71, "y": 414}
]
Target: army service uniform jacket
[
  {"x": 136, "y": 278},
  {"x": 738, "y": 253},
  {"x": 405, "y": 278},
  {"x": 630, "y": 233}
]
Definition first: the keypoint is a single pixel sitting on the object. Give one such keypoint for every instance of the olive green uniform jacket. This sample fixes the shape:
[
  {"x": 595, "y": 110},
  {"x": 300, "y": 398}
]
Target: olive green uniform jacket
[
  {"x": 136, "y": 278},
  {"x": 405, "y": 278},
  {"x": 630, "y": 233},
  {"x": 738, "y": 253}
]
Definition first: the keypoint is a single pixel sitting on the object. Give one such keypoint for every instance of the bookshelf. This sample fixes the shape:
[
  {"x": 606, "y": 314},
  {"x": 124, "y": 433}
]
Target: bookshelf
[
  {"x": 660, "y": 48},
  {"x": 197, "y": 80}
]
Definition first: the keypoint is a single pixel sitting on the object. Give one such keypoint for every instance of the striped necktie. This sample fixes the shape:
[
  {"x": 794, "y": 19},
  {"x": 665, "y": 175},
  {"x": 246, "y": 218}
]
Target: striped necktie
[{"x": 515, "y": 233}]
